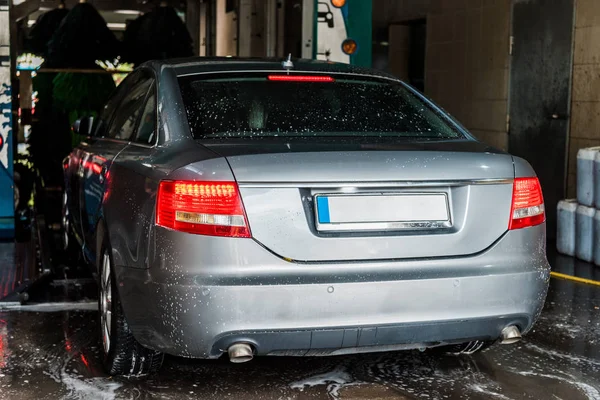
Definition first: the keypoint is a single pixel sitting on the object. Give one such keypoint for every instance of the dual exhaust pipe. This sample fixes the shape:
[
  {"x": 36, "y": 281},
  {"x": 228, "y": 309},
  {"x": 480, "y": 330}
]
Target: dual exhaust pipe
[
  {"x": 509, "y": 335},
  {"x": 242, "y": 352}
]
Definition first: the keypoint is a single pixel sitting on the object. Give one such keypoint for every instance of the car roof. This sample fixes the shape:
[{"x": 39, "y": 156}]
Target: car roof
[{"x": 199, "y": 65}]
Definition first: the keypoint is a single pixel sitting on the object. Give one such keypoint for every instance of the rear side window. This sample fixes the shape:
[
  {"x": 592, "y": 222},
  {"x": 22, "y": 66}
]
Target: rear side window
[
  {"x": 252, "y": 105},
  {"x": 107, "y": 113},
  {"x": 146, "y": 131},
  {"x": 129, "y": 110}
]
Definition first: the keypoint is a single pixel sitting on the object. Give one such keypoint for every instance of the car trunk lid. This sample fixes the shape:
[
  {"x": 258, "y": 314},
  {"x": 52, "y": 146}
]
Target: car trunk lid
[{"x": 357, "y": 202}]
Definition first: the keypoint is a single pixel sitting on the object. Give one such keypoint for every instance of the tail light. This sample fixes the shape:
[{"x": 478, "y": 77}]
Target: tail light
[
  {"x": 203, "y": 208},
  {"x": 300, "y": 78},
  {"x": 527, "y": 204}
]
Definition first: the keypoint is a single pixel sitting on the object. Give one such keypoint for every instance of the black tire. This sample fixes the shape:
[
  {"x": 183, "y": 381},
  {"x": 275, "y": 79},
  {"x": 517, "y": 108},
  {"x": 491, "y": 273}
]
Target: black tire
[{"x": 123, "y": 355}]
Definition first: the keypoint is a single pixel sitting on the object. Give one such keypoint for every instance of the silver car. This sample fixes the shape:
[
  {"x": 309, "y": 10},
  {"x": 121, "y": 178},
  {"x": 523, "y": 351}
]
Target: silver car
[{"x": 253, "y": 207}]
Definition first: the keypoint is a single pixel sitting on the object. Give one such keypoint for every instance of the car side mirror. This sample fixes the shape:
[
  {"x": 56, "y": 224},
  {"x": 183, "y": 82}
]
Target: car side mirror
[{"x": 83, "y": 126}]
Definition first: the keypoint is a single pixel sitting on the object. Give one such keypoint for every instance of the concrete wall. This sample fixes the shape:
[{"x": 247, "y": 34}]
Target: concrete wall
[
  {"x": 585, "y": 102},
  {"x": 399, "y": 50},
  {"x": 466, "y": 69},
  {"x": 467, "y": 57},
  {"x": 467, "y": 65},
  {"x": 386, "y": 12}
]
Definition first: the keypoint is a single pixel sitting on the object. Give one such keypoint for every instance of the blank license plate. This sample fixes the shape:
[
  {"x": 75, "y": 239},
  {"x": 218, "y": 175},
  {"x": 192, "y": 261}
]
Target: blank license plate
[{"x": 382, "y": 212}]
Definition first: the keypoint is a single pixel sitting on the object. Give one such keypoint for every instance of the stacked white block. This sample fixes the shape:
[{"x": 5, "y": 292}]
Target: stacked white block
[
  {"x": 596, "y": 237},
  {"x": 584, "y": 233},
  {"x": 578, "y": 221},
  {"x": 597, "y": 179},
  {"x": 585, "y": 176},
  {"x": 565, "y": 235}
]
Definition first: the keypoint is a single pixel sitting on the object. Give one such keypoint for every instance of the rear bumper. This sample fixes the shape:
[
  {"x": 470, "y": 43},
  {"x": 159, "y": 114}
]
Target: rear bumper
[{"x": 238, "y": 291}]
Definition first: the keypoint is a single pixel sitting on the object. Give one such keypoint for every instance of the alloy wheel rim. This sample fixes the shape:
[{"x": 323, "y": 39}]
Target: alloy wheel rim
[
  {"x": 65, "y": 221},
  {"x": 106, "y": 302}
]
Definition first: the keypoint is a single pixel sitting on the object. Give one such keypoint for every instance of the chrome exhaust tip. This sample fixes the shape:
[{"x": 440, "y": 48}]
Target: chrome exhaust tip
[
  {"x": 240, "y": 353},
  {"x": 510, "y": 334}
]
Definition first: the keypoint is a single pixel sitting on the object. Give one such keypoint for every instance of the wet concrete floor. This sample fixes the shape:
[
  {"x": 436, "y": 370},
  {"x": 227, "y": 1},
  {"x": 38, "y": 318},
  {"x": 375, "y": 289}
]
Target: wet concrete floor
[{"x": 51, "y": 351}]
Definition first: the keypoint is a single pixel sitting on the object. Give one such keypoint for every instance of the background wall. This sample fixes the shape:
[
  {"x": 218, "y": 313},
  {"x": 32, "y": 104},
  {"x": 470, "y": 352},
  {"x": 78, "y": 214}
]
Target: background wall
[
  {"x": 466, "y": 69},
  {"x": 585, "y": 101},
  {"x": 467, "y": 57},
  {"x": 386, "y": 12}
]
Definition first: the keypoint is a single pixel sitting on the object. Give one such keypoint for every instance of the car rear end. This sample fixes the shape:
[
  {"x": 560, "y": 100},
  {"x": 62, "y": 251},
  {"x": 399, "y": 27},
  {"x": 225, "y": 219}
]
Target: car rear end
[{"x": 340, "y": 214}]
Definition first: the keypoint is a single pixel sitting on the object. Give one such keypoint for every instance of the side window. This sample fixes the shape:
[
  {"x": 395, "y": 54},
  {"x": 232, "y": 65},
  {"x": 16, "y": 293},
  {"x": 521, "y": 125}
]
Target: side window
[
  {"x": 101, "y": 123},
  {"x": 108, "y": 112},
  {"x": 146, "y": 132},
  {"x": 129, "y": 110}
]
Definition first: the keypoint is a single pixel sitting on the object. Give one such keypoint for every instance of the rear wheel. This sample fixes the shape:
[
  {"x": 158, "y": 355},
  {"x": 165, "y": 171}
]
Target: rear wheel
[{"x": 123, "y": 355}]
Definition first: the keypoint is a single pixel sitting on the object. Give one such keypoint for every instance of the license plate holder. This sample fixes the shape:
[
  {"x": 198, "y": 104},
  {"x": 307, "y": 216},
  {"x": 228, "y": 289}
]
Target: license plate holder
[{"x": 382, "y": 211}]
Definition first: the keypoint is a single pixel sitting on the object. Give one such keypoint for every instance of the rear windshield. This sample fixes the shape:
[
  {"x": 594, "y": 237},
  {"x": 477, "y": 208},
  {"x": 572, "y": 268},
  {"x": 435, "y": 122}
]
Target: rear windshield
[{"x": 253, "y": 106}]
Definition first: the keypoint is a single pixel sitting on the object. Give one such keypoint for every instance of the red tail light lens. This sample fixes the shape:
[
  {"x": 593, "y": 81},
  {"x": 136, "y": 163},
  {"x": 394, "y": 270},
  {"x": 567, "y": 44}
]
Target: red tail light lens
[
  {"x": 527, "y": 204},
  {"x": 203, "y": 208},
  {"x": 300, "y": 78}
]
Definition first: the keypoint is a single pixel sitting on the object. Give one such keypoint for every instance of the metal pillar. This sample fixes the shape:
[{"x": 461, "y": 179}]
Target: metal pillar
[
  {"x": 202, "y": 39},
  {"x": 308, "y": 28},
  {"x": 226, "y": 29},
  {"x": 7, "y": 211},
  {"x": 271, "y": 17},
  {"x": 245, "y": 28}
]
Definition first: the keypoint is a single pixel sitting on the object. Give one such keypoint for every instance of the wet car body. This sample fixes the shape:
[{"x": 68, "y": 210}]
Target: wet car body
[{"x": 295, "y": 287}]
